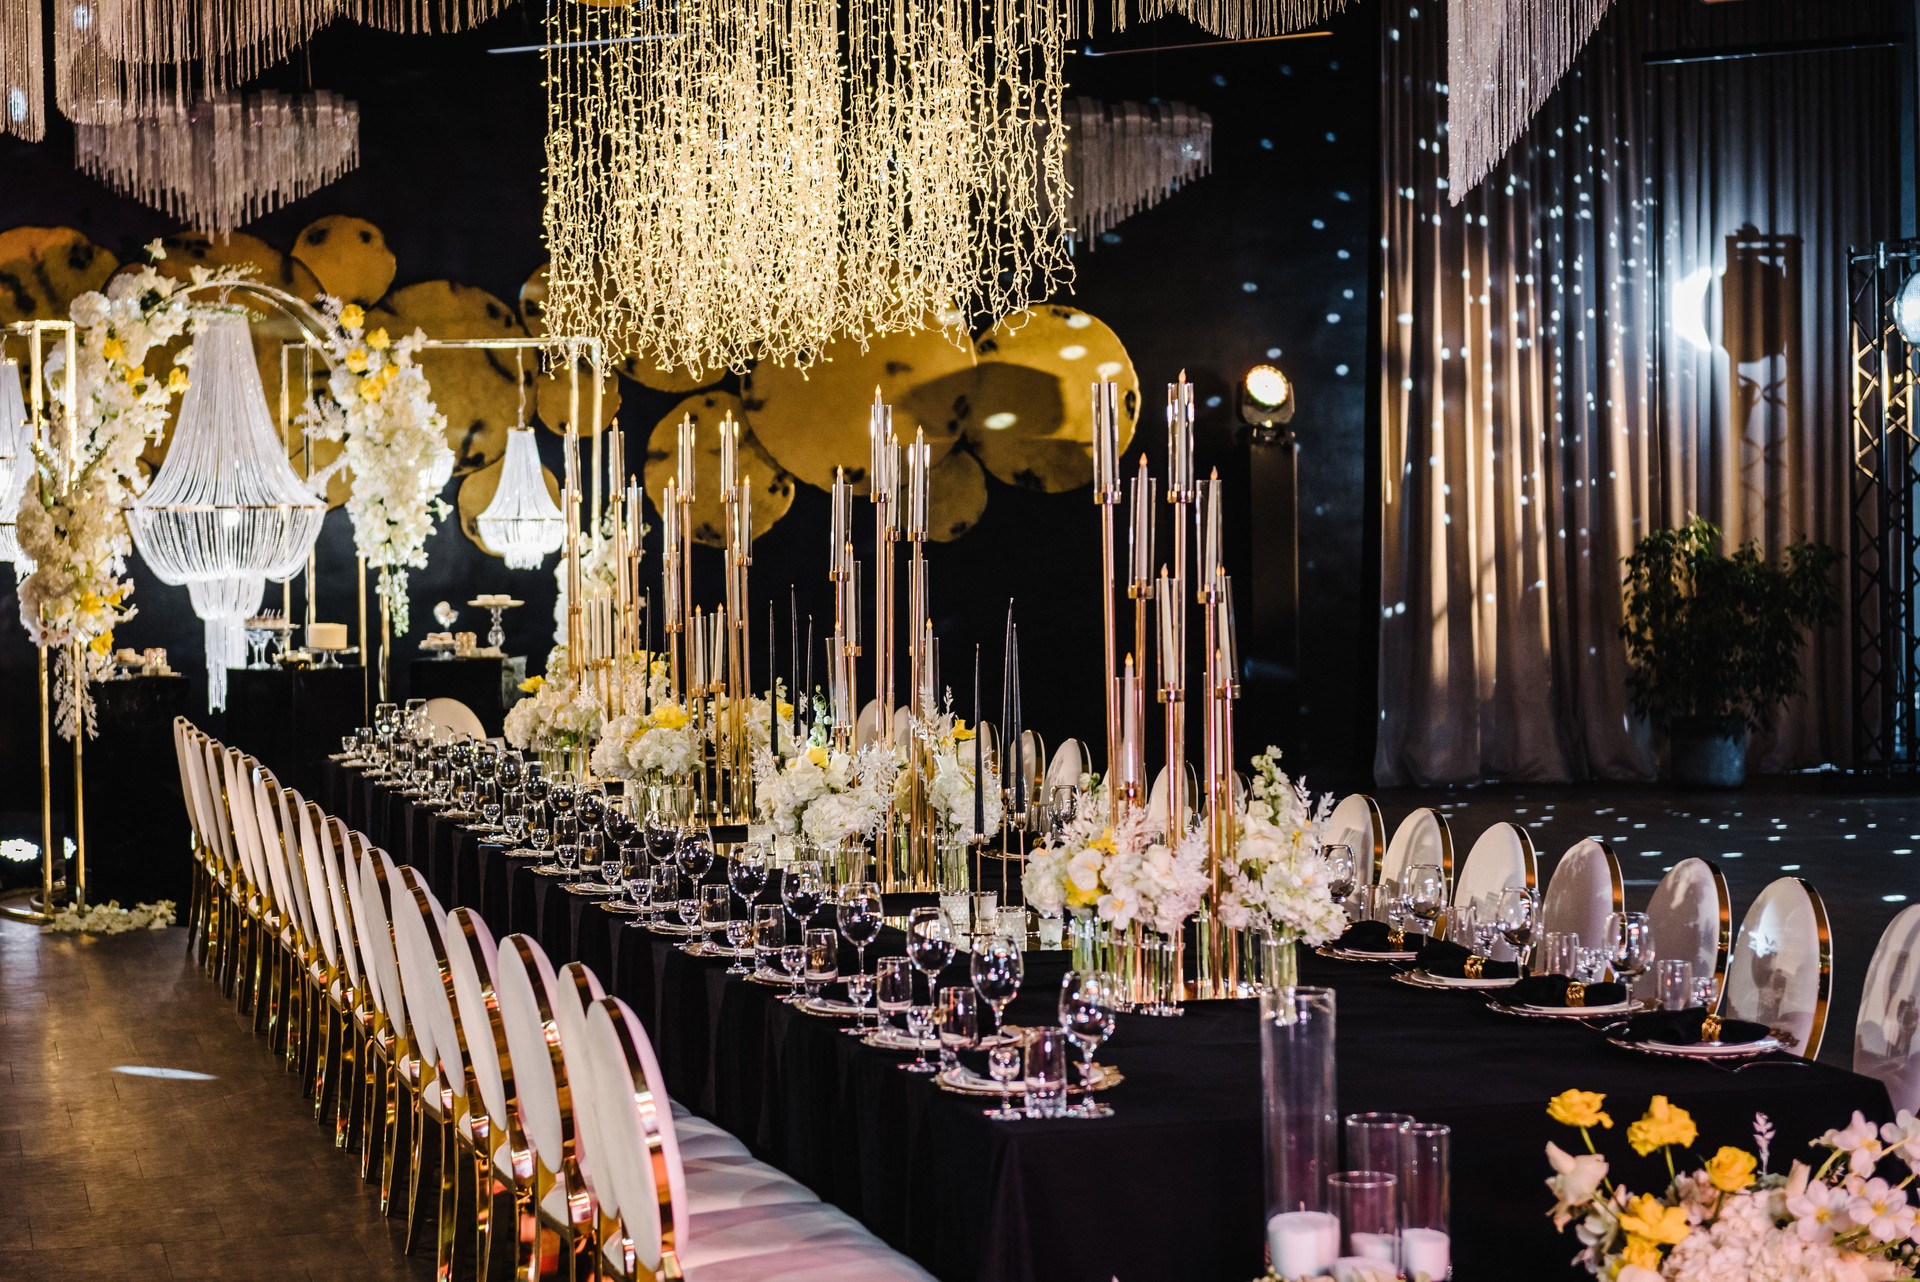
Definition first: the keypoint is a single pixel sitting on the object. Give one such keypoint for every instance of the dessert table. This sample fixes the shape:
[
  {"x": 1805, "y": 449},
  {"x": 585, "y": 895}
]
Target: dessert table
[{"x": 1172, "y": 1185}]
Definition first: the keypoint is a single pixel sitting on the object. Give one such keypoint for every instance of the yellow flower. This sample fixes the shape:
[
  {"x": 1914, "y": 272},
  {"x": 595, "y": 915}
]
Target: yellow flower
[
  {"x": 352, "y": 317},
  {"x": 1078, "y": 898},
  {"x": 357, "y": 360},
  {"x": 1647, "y": 1217},
  {"x": 177, "y": 379},
  {"x": 818, "y": 756},
  {"x": 116, "y": 596},
  {"x": 370, "y": 390},
  {"x": 378, "y": 340},
  {"x": 1663, "y": 1125},
  {"x": 1638, "y": 1251},
  {"x": 786, "y": 710},
  {"x": 1104, "y": 842},
  {"x": 89, "y": 602},
  {"x": 138, "y": 374},
  {"x": 387, "y": 374},
  {"x": 960, "y": 732},
  {"x": 532, "y": 685},
  {"x": 1579, "y": 1108},
  {"x": 1731, "y": 1170},
  {"x": 102, "y": 644},
  {"x": 114, "y": 349},
  {"x": 669, "y": 716}
]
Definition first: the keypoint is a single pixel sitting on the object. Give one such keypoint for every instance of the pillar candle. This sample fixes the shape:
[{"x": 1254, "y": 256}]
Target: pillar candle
[
  {"x": 1130, "y": 725},
  {"x": 1303, "y": 1244},
  {"x": 1140, "y": 531},
  {"x": 1426, "y": 1254}
]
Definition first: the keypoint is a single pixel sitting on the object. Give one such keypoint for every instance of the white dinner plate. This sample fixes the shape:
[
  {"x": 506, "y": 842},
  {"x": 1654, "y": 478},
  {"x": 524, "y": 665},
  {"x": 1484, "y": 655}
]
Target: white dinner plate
[
  {"x": 1709, "y": 1050},
  {"x": 1421, "y": 979},
  {"x": 1629, "y": 1007},
  {"x": 1362, "y": 955}
]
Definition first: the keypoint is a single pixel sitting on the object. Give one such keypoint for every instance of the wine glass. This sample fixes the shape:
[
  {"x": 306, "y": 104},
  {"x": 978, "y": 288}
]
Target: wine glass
[
  {"x": 747, "y": 872},
  {"x": 957, "y": 1017},
  {"x": 490, "y": 806},
  {"x": 858, "y": 913},
  {"x": 510, "y": 771},
  {"x": 1516, "y": 914},
  {"x": 739, "y": 930},
  {"x": 1486, "y": 922},
  {"x": 1003, "y": 1062},
  {"x": 919, "y": 1024},
  {"x": 639, "y": 888},
  {"x": 563, "y": 795},
  {"x": 823, "y": 962},
  {"x": 893, "y": 985},
  {"x": 803, "y": 889},
  {"x": 793, "y": 959},
  {"x": 1339, "y": 861},
  {"x": 539, "y": 833},
  {"x": 929, "y": 946},
  {"x": 694, "y": 851},
  {"x": 997, "y": 967},
  {"x": 1087, "y": 1003},
  {"x": 1426, "y": 891},
  {"x": 1628, "y": 939},
  {"x": 859, "y": 992},
  {"x": 688, "y": 911}
]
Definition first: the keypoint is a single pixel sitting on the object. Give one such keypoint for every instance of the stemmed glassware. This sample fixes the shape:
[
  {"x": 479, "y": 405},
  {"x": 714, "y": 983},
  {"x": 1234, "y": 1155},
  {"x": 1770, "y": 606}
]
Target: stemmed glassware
[
  {"x": 793, "y": 959},
  {"x": 1003, "y": 1064},
  {"x": 997, "y": 967},
  {"x": 858, "y": 912},
  {"x": 593, "y": 816},
  {"x": 929, "y": 946},
  {"x": 739, "y": 930},
  {"x": 1087, "y": 1003},
  {"x": 714, "y": 913},
  {"x": 919, "y": 1024},
  {"x": 490, "y": 806},
  {"x": 666, "y": 885},
  {"x": 859, "y": 992},
  {"x": 1340, "y": 877},
  {"x": 1516, "y": 916},
  {"x": 1426, "y": 891},
  {"x": 747, "y": 873},
  {"x": 694, "y": 852},
  {"x": 803, "y": 889},
  {"x": 1629, "y": 943},
  {"x": 769, "y": 933}
]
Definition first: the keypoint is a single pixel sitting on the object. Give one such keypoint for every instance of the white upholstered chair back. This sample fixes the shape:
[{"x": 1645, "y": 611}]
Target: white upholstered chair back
[{"x": 1782, "y": 967}]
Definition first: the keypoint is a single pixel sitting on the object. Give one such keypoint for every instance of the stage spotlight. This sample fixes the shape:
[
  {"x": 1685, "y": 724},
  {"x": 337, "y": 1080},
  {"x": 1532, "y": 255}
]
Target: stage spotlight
[
  {"x": 1266, "y": 398},
  {"x": 1906, "y": 310}
]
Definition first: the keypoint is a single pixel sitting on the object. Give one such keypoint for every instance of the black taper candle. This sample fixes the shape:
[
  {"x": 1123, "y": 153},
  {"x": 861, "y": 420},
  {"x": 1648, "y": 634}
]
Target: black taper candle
[{"x": 979, "y": 775}]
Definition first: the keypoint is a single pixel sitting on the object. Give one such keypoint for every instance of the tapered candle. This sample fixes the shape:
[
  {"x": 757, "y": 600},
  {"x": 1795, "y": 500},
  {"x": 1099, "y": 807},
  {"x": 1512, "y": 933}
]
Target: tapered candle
[
  {"x": 729, "y": 436},
  {"x": 793, "y": 655},
  {"x": 853, "y": 615},
  {"x": 879, "y": 424},
  {"x": 773, "y": 690},
  {"x": 1210, "y": 559},
  {"x": 717, "y": 642},
  {"x": 891, "y": 461},
  {"x": 1106, "y": 442},
  {"x": 917, "y": 460},
  {"x": 1140, "y": 532},
  {"x": 842, "y": 513},
  {"x": 696, "y": 652},
  {"x": 1229, "y": 643},
  {"x": 809, "y": 682},
  {"x": 1179, "y": 439},
  {"x": 1170, "y": 600},
  {"x": 646, "y": 680},
  {"x": 1019, "y": 732},
  {"x": 979, "y": 775}
]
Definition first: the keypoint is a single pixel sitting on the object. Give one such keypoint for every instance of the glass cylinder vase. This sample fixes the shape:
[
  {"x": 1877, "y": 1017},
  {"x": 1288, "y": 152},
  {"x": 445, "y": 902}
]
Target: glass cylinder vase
[
  {"x": 955, "y": 885},
  {"x": 564, "y": 762},
  {"x": 1301, "y": 1121}
]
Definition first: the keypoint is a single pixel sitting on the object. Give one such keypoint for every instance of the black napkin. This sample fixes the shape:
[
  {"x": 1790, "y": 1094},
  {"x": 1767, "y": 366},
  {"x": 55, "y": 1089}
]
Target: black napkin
[
  {"x": 1551, "y": 990},
  {"x": 1683, "y": 1026},
  {"x": 1444, "y": 957},
  {"x": 1372, "y": 937}
]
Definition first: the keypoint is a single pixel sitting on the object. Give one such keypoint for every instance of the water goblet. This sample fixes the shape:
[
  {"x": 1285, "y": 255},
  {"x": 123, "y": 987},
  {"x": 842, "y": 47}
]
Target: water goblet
[
  {"x": 919, "y": 1024},
  {"x": 747, "y": 872},
  {"x": 1425, "y": 887},
  {"x": 739, "y": 930},
  {"x": 858, "y": 914},
  {"x": 1629, "y": 942},
  {"x": 613, "y": 871},
  {"x": 1087, "y": 1003},
  {"x": 859, "y": 992},
  {"x": 1003, "y": 1064},
  {"x": 688, "y": 911},
  {"x": 1340, "y": 876},
  {"x": 490, "y": 805},
  {"x": 694, "y": 852},
  {"x": 568, "y": 855},
  {"x": 929, "y": 945},
  {"x": 803, "y": 889},
  {"x": 996, "y": 968},
  {"x": 1517, "y": 916},
  {"x": 823, "y": 962},
  {"x": 793, "y": 959},
  {"x": 956, "y": 1016},
  {"x": 1046, "y": 1073}
]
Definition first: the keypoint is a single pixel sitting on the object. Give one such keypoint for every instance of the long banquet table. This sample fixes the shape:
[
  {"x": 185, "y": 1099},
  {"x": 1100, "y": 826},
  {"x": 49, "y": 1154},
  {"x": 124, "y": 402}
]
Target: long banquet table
[{"x": 1172, "y": 1185}]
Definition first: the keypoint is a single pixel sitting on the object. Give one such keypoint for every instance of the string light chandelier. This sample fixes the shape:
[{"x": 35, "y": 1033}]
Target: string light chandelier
[
  {"x": 732, "y": 180},
  {"x": 220, "y": 163},
  {"x": 1129, "y": 156},
  {"x": 226, "y": 511},
  {"x": 16, "y": 465}
]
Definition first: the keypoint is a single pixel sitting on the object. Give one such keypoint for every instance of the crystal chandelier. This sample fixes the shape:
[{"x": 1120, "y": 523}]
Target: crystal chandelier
[
  {"x": 1128, "y": 157},
  {"x": 732, "y": 180},
  {"x": 1235, "y": 19},
  {"x": 522, "y": 523},
  {"x": 228, "y": 160},
  {"x": 16, "y": 465},
  {"x": 23, "y": 77},
  {"x": 225, "y": 512}
]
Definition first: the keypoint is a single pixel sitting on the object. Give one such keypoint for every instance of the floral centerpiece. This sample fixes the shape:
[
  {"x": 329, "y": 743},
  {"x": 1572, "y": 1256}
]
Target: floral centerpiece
[
  {"x": 944, "y": 763},
  {"x": 393, "y": 441},
  {"x": 559, "y": 720},
  {"x": 830, "y": 797},
  {"x": 651, "y": 745},
  {"x": 1726, "y": 1217},
  {"x": 1119, "y": 873},
  {"x": 1279, "y": 884}
]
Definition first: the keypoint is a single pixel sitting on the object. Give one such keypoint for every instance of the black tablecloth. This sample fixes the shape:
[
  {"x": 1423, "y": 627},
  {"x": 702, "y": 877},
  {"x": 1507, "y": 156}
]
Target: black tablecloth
[
  {"x": 475, "y": 682},
  {"x": 137, "y": 848},
  {"x": 1171, "y": 1186},
  {"x": 290, "y": 718}
]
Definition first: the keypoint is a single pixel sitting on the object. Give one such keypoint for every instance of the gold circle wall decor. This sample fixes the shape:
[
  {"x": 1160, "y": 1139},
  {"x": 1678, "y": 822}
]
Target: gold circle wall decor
[
  {"x": 43, "y": 269},
  {"x": 474, "y": 389},
  {"x": 956, "y": 496},
  {"x": 348, "y": 256},
  {"x": 772, "y": 485}
]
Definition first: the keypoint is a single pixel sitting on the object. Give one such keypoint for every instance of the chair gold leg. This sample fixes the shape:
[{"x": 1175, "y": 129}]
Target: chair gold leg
[
  {"x": 326, "y": 1049},
  {"x": 346, "y": 1090},
  {"x": 424, "y": 1133},
  {"x": 400, "y": 1105},
  {"x": 456, "y": 1187},
  {"x": 372, "y": 1109}
]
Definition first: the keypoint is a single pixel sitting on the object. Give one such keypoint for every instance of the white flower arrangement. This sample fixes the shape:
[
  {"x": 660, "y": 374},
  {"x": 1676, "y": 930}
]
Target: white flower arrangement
[
  {"x": 659, "y": 742},
  {"x": 1122, "y": 873},
  {"x": 393, "y": 442},
  {"x": 1726, "y": 1218},
  {"x": 111, "y": 919},
  {"x": 945, "y": 763},
  {"x": 824, "y": 795},
  {"x": 597, "y": 576},
  {"x": 1279, "y": 883},
  {"x": 556, "y": 715}
]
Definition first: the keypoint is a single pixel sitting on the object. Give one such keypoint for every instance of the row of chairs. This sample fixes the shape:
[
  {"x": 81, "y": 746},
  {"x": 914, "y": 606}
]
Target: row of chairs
[{"x": 515, "y": 1105}]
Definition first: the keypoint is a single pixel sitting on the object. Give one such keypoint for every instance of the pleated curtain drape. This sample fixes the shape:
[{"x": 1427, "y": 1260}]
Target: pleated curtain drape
[{"x": 1544, "y": 402}]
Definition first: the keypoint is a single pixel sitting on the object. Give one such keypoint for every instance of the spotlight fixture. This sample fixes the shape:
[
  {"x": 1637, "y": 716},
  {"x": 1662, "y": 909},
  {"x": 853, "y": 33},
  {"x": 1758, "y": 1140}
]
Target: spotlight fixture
[
  {"x": 1266, "y": 398},
  {"x": 1906, "y": 310}
]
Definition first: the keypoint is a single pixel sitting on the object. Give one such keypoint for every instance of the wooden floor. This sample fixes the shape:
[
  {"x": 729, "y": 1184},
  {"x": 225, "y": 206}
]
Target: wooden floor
[{"x": 110, "y": 1169}]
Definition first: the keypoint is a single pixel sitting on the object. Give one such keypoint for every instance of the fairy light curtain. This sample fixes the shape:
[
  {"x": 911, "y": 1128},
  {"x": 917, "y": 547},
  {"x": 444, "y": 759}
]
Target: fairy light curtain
[
  {"x": 731, "y": 180},
  {"x": 1557, "y": 378},
  {"x": 1126, "y": 157}
]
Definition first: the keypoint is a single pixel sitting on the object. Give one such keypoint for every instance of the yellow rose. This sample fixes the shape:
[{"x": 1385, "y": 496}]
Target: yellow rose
[
  {"x": 352, "y": 317},
  {"x": 1731, "y": 1170},
  {"x": 1647, "y": 1217},
  {"x": 114, "y": 350},
  {"x": 387, "y": 374},
  {"x": 1579, "y": 1108},
  {"x": 102, "y": 644},
  {"x": 669, "y": 716},
  {"x": 370, "y": 390},
  {"x": 378, "y": 340},
  {"x": 357, "y": 360},
  {"x": 1639, "y": 1251},
  {"x": 1663, "y": 1125},
  {"x": 177, "y": 379},
  {"x": 532, "y": 685},
  {"x": 818, "y": 756}
]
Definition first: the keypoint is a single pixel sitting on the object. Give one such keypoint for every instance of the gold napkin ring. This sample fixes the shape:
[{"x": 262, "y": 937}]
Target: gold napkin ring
[
  {"x": 1474, "y": 966},
  {"x": 1710, "y": 1029},
  {"x": 1576, "y": 993},
  {"x": 1396, "y": 937}
]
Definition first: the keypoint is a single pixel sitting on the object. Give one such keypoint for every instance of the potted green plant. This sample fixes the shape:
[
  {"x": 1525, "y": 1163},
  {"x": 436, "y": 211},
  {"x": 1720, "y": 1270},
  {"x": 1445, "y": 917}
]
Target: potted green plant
[{"x": 1714, "y": 640}]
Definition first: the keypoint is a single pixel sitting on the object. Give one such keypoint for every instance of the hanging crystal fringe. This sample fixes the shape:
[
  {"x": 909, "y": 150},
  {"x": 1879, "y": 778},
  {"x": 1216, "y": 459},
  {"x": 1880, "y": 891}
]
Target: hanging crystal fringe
[
  {"x": 119, "y": 59},
  {"x": 16, "y": 466},
  {"x": 725, "y": 184},
  {"x": 225, "y": 512},
  {"x": 219, "y": 164},
  {"x": 23, "y": 76},
  {"x": 522, "y": 523},
  {"x": 1129, "y": 156},
  {"x": 1504, "y": 59},
  {"x": 1239, "y": 19}
]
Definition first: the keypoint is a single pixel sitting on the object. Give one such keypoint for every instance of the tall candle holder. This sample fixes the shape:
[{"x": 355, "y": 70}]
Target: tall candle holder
[
  {"x": 1173, "y": 647},
  {"x": 1106, "y": 496}
]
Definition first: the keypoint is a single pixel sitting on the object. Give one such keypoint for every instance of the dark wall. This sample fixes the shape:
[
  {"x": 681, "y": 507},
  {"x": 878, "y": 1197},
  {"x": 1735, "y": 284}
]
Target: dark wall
[{"x": 1264, "y": 260}]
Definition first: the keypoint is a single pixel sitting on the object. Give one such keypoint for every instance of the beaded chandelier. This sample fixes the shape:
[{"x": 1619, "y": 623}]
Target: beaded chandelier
[
  {"x": 522, "y": 523},
  {"x": 732, "y": 180},
  {"x": 1129, "y": 156}
]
